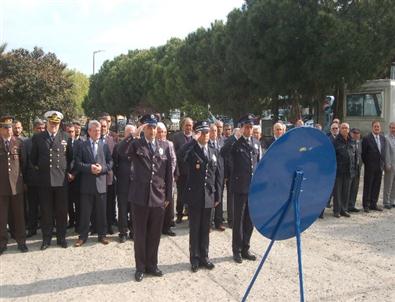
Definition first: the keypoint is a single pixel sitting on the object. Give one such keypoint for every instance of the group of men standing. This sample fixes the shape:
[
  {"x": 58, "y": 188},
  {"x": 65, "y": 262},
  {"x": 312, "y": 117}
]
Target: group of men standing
[{"x": 81, "y": 179}]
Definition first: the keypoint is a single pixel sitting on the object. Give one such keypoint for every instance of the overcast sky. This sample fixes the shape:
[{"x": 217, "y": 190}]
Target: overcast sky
[{"x": 73, "y": 29}]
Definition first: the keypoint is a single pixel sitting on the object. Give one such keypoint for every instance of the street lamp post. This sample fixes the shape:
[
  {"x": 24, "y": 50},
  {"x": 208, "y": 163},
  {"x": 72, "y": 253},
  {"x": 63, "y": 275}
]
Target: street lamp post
[{"x": 94, "y": 53}]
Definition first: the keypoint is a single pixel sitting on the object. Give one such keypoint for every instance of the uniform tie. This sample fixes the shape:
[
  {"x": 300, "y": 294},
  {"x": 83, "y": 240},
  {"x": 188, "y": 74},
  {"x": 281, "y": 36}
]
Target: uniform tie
[
  {"x": 7, "y": 145},
  {"x": 151, "y": 147}
]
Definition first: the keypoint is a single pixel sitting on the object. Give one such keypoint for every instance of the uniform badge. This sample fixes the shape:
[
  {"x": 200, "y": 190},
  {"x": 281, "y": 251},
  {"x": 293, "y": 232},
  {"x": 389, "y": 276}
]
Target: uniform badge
[
  {"x": 63, "y": 142},
  {"x": 197, "y": 165},
  {"x": 214, "y": 158},
  {"x": 160, "y": 151}
]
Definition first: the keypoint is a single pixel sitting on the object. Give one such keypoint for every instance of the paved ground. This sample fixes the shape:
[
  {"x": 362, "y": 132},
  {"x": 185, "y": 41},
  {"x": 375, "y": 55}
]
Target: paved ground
[{"x": 347, "y": 259}]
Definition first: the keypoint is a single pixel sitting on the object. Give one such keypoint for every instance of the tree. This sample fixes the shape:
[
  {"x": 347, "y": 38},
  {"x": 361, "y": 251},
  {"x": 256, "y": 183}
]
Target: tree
[{"x": 32, "y": 83}]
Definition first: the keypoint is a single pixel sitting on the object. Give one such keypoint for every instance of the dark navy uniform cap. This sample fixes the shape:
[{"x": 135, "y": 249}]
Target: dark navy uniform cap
[
  {"x": 203, "y": 126},
  {"x": 247, "y": 119},
  {"x": 149, "y": 119}
]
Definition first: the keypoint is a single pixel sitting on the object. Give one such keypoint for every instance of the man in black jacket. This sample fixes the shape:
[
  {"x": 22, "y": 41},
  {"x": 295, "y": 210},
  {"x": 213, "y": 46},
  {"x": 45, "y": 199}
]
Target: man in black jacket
[
  {"x": 373, "y": 157},
  {"x": 51, "y": 157},
  {"x": 150, "y": 192},
  {"x": 245, "y": 155},
  {"x": 203, "y": 192},
  {"x": 346, "y": 170}
]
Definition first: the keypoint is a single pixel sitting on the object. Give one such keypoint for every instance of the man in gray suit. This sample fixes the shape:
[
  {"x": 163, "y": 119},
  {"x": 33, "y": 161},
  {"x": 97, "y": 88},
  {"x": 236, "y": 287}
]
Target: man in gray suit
[
  {"x": 92, "y": 158},
  {"x": 389, "y": 169}
]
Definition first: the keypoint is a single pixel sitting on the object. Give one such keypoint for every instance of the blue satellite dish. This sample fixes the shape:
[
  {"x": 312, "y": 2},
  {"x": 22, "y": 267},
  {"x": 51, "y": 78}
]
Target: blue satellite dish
[{"x": 303, "y": 150}]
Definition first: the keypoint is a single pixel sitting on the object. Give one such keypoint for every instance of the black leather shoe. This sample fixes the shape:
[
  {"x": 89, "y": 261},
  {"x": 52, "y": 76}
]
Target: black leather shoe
[
  {"x": 388, "y": 207},
  {"x": 31, "y": 233},
  {"x": 62, "y": 243},
  {"x": 23, "y": 248},
  {"x": 110, "y": 230},
  {"x": 122, "y": 238},
  {"x": 44, "y": 245},
  {"x": 154, "y": 272},
  {"x": 207, "y": 264},
  {"x": 366, "y": 210},
  {"x": 169, "y": 233},
  {"x": 2, "y": 249},
  {"x": 321, "y": 215},
  {"x": 138, "y": 276},
  {"x": 353, "y": 210},
  {"x": 194, "y": 268},
  {"x": 237, "y": 258},
  {"x": 376, "y": 208},
  {"x": 337, "y": 215},
  {"x": 179, "y": 219},
  {"x": 247, "y": 255},
  {"x": 344, "y": 214}
]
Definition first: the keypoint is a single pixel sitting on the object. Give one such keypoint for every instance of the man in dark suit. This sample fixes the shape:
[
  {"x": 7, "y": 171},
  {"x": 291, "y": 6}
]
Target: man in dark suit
[
  {"x": 226, "y": 155},
  {"x": 356, "y": 140},
  {"x": 11, "y": 185},
  {"x": 245, "y": 155},
  {"x": 110, "y": 142},
  {"x": 32, "y": 181},
  {"x": 122, "y": 170},
  {"x": 278, "y": 130},
  {"x": 373, "y": 157},
  {"x": 203, "y": 192},
  {"x": 150, "y": 192},
  {"x": 180, "y": 139},
  {"x": 92, "y": 159},
  {"x": 345, "y": 171},
  {"x": 51, "y": 157},
  {"x": 216, "y": 143}
]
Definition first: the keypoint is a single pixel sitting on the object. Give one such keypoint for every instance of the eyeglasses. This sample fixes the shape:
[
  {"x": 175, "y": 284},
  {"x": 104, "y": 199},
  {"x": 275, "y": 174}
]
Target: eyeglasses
[{"x": 335, "y": 128}]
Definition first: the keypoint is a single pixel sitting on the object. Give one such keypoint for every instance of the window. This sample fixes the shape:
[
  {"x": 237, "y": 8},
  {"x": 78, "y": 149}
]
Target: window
[{"x": 365, "y": 104}]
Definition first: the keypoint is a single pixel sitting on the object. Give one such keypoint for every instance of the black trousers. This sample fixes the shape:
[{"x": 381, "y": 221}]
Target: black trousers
[
  {"x": 169, "y": 216},
  {"x": 341, "y": 194},
  {"x": 199, "y": 229},
  {"x": 53, "y": 206},
  {"x": 124, "y": 213},
  {"x": 354, "y": 187},
  {"x": 74, "y": 203},
  {"x": 13, "y": 205},
  {"x": 242, "y": 225},
  {"x": 371, "y": 187},
  {"x": 111, "y": 207},
  {"x": 219, "y": 212},
  {"x": 33, "y": 202},
  {"x": 229, "y": 201},
  {"x": 89, "y": 203},
  {"x": 147, "y": 227},
  {"x": 181, "y": 183}
]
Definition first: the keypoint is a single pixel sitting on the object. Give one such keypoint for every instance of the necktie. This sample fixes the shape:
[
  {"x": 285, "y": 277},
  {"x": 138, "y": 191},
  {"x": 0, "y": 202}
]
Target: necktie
[
  {"x": 205, "y": 152},
  {"x": 151, "y": 148},
  {"x": 7, "y": 145},
  {"x": 94, "y": 149},
  {"x": 52, "y": 137},
  {"x": 378, "y": 142}
]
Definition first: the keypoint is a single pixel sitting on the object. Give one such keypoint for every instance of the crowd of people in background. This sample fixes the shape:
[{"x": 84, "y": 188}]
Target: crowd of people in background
[{"x": 92, "y": 183}]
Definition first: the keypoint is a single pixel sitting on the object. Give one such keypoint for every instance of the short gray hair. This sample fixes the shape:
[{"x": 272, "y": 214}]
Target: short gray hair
[
  {"x": 94, "y": 123},
  {"x": 161, "y": 126}
]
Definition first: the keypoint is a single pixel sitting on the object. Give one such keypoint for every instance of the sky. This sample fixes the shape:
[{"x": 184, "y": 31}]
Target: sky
[{"x": 74, "y": 29}]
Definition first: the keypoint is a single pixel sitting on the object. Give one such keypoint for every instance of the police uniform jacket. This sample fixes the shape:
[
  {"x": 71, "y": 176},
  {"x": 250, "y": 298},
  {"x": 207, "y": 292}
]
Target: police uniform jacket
[
  {"x": 83, "y": 159},
  {"x": 204, "y": 182},
  {"x": 11, "y": 167},
  {"x": 122, "y": 164},
  {"x": 151, "y": 176},
  {"x": 30, "y": 175},
  {"x": 226, "y": 154},
  {"x": 51, "y": 159},
  {"x": 245, "y": 157}
]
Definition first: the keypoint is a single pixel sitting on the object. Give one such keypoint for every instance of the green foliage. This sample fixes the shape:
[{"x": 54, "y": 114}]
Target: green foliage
[
  {"x": 270, "y": 53},
  {"x": 32, "y": 83},
  {"x": 79, "y": 89}
]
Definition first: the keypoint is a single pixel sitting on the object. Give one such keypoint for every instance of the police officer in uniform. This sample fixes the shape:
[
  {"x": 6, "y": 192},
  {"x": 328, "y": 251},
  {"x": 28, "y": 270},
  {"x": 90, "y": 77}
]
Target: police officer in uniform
[
  {"x": 245, "y": 154},
  {"x": 203, "y": 193},
  {"x": 150, "y": 192},
  {"x": 11, "y": 185},
  {"x": 51, "y": 157}
]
